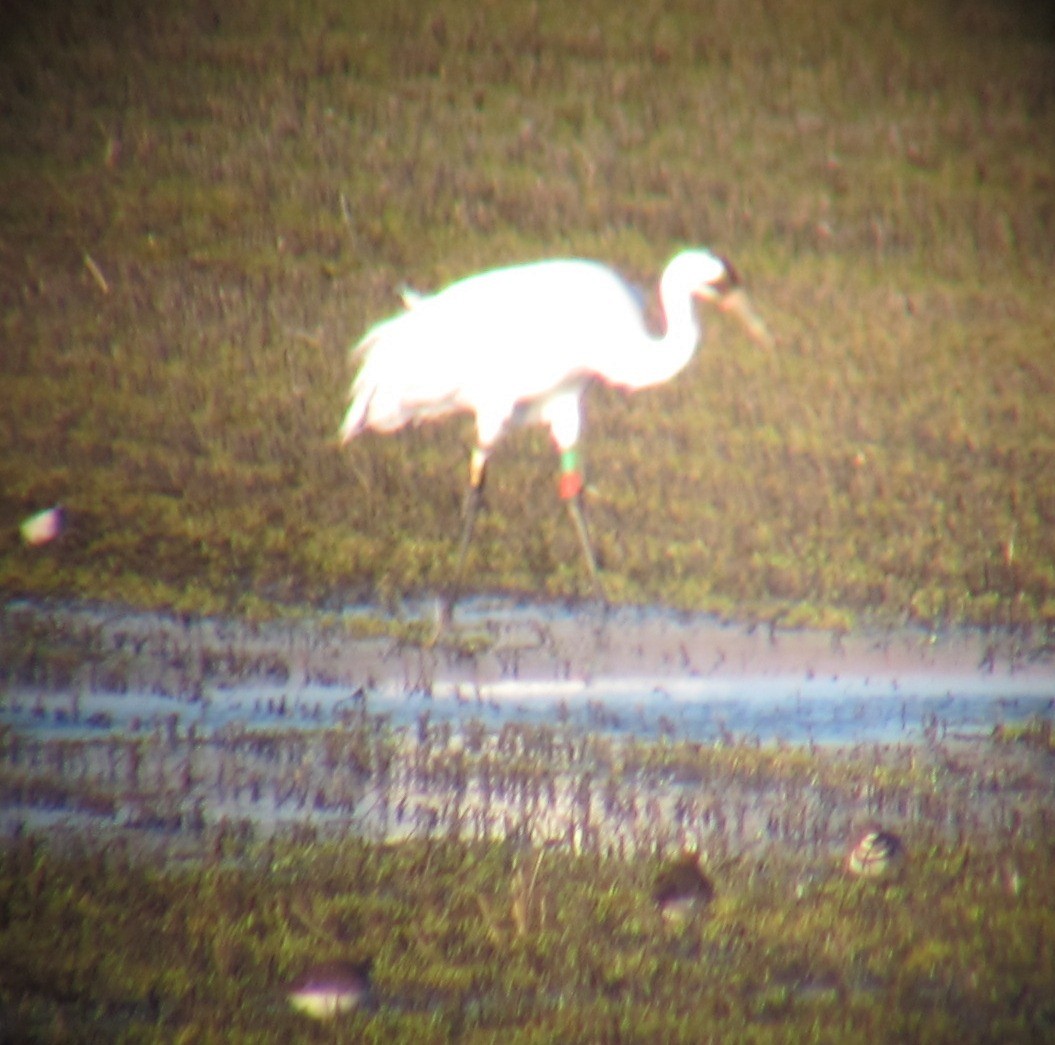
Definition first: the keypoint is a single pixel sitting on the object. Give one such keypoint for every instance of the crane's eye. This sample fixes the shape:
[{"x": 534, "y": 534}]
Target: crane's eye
[{"x": 728, "y": 280}]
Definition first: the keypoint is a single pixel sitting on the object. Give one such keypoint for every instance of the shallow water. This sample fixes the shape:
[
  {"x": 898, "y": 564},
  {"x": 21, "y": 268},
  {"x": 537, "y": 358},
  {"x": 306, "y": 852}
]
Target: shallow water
[
  {"x": 523, "y": 723},
  {"x": 629, "y": 672},
  {"x": 842, "y": 712}
]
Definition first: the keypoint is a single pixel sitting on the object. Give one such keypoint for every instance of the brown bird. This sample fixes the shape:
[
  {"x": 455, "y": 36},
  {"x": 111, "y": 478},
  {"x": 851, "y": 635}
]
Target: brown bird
[
  {"x": 879, "y": 854},
  {"x": 682, "y": 890}
]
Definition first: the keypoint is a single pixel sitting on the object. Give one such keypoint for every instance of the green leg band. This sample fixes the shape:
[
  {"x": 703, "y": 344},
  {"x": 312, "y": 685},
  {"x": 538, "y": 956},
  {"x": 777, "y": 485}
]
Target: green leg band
[
  {"x": 570, "y": 461},
  {"x": 570, "y": 474}
]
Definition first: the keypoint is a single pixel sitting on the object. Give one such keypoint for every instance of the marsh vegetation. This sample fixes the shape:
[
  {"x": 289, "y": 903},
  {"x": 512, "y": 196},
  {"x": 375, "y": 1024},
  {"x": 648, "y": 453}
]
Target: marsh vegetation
[
  {"x": 194, "y": 814},
  {"x": 470, "y": 939}
]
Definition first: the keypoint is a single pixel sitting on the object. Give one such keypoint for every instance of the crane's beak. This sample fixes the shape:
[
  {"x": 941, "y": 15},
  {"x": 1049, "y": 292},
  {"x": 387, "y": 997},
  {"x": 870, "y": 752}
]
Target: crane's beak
[{"x": 737, "y": 303}]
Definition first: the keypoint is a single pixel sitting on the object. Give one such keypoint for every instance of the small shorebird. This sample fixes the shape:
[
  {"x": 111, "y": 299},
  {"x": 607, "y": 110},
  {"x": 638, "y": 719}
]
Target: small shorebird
[
  {"x": 330, "y": 988},
  {"x": 682, "y": 890},
  {"x": 878, "y": 854}
]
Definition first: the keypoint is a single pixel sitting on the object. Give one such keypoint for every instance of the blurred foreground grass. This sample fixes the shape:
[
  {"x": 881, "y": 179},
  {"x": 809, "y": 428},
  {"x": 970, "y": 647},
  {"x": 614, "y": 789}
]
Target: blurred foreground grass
[
  {"x": 202, "y": 206},
  {"x": 103, "y": 940}
]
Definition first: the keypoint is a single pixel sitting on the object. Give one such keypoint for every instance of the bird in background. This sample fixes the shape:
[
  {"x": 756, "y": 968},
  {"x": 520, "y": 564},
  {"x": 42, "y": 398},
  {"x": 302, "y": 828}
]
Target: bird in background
[
  {"x": 331, "y": 989},
  {"x": 682, "y": 890},
  {"x": 519, "y": 345}
]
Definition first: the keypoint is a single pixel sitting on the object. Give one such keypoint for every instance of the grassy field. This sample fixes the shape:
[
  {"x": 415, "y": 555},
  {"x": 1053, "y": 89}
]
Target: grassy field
[
  {"x": 488, "y": 940},
  {"x": 202, "y": 207}
]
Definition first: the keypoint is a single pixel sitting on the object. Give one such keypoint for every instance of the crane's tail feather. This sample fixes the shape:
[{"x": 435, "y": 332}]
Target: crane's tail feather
[
  {"x": 363, "y": 385},
  {"x": 354, "y": 421},
  {"x": 360, "y": 351},
  {"x": 361, "y": 394}
]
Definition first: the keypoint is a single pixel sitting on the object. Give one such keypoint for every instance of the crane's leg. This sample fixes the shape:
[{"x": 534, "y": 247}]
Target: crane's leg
[
  {"x": 471, "y": 508},
  {"x": 571, "y": 484}
]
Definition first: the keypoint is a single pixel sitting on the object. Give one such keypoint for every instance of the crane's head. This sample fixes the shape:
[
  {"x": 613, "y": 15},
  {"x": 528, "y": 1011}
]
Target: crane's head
[{"x": 713, "y": 279}]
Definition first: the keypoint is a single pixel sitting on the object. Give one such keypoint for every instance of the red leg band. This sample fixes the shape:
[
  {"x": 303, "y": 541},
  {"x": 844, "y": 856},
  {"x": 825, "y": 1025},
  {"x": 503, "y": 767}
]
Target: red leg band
[{"x": 570, "y": 484}]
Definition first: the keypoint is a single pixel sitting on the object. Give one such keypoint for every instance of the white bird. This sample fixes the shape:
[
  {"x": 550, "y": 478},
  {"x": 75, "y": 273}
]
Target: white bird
[{"x": 519, "y": 345}]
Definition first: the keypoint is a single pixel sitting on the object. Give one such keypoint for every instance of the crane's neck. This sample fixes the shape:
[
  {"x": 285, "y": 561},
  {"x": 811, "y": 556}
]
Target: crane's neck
[{"x": 658, "y": 359}]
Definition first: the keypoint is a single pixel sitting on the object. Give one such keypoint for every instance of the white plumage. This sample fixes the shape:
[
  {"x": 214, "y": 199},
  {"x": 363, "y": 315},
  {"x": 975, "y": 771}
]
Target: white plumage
[{"x": 519, "y": 345}]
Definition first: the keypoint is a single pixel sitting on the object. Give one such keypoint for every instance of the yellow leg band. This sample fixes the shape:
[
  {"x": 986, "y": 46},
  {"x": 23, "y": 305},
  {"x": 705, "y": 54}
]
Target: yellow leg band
[{"x": 476, "y": 467}]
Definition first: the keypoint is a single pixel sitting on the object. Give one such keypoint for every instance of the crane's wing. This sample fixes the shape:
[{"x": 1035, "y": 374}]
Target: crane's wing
[
  {"x": 493, "y": 344},
  {"x": 403, "y": 375}
]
